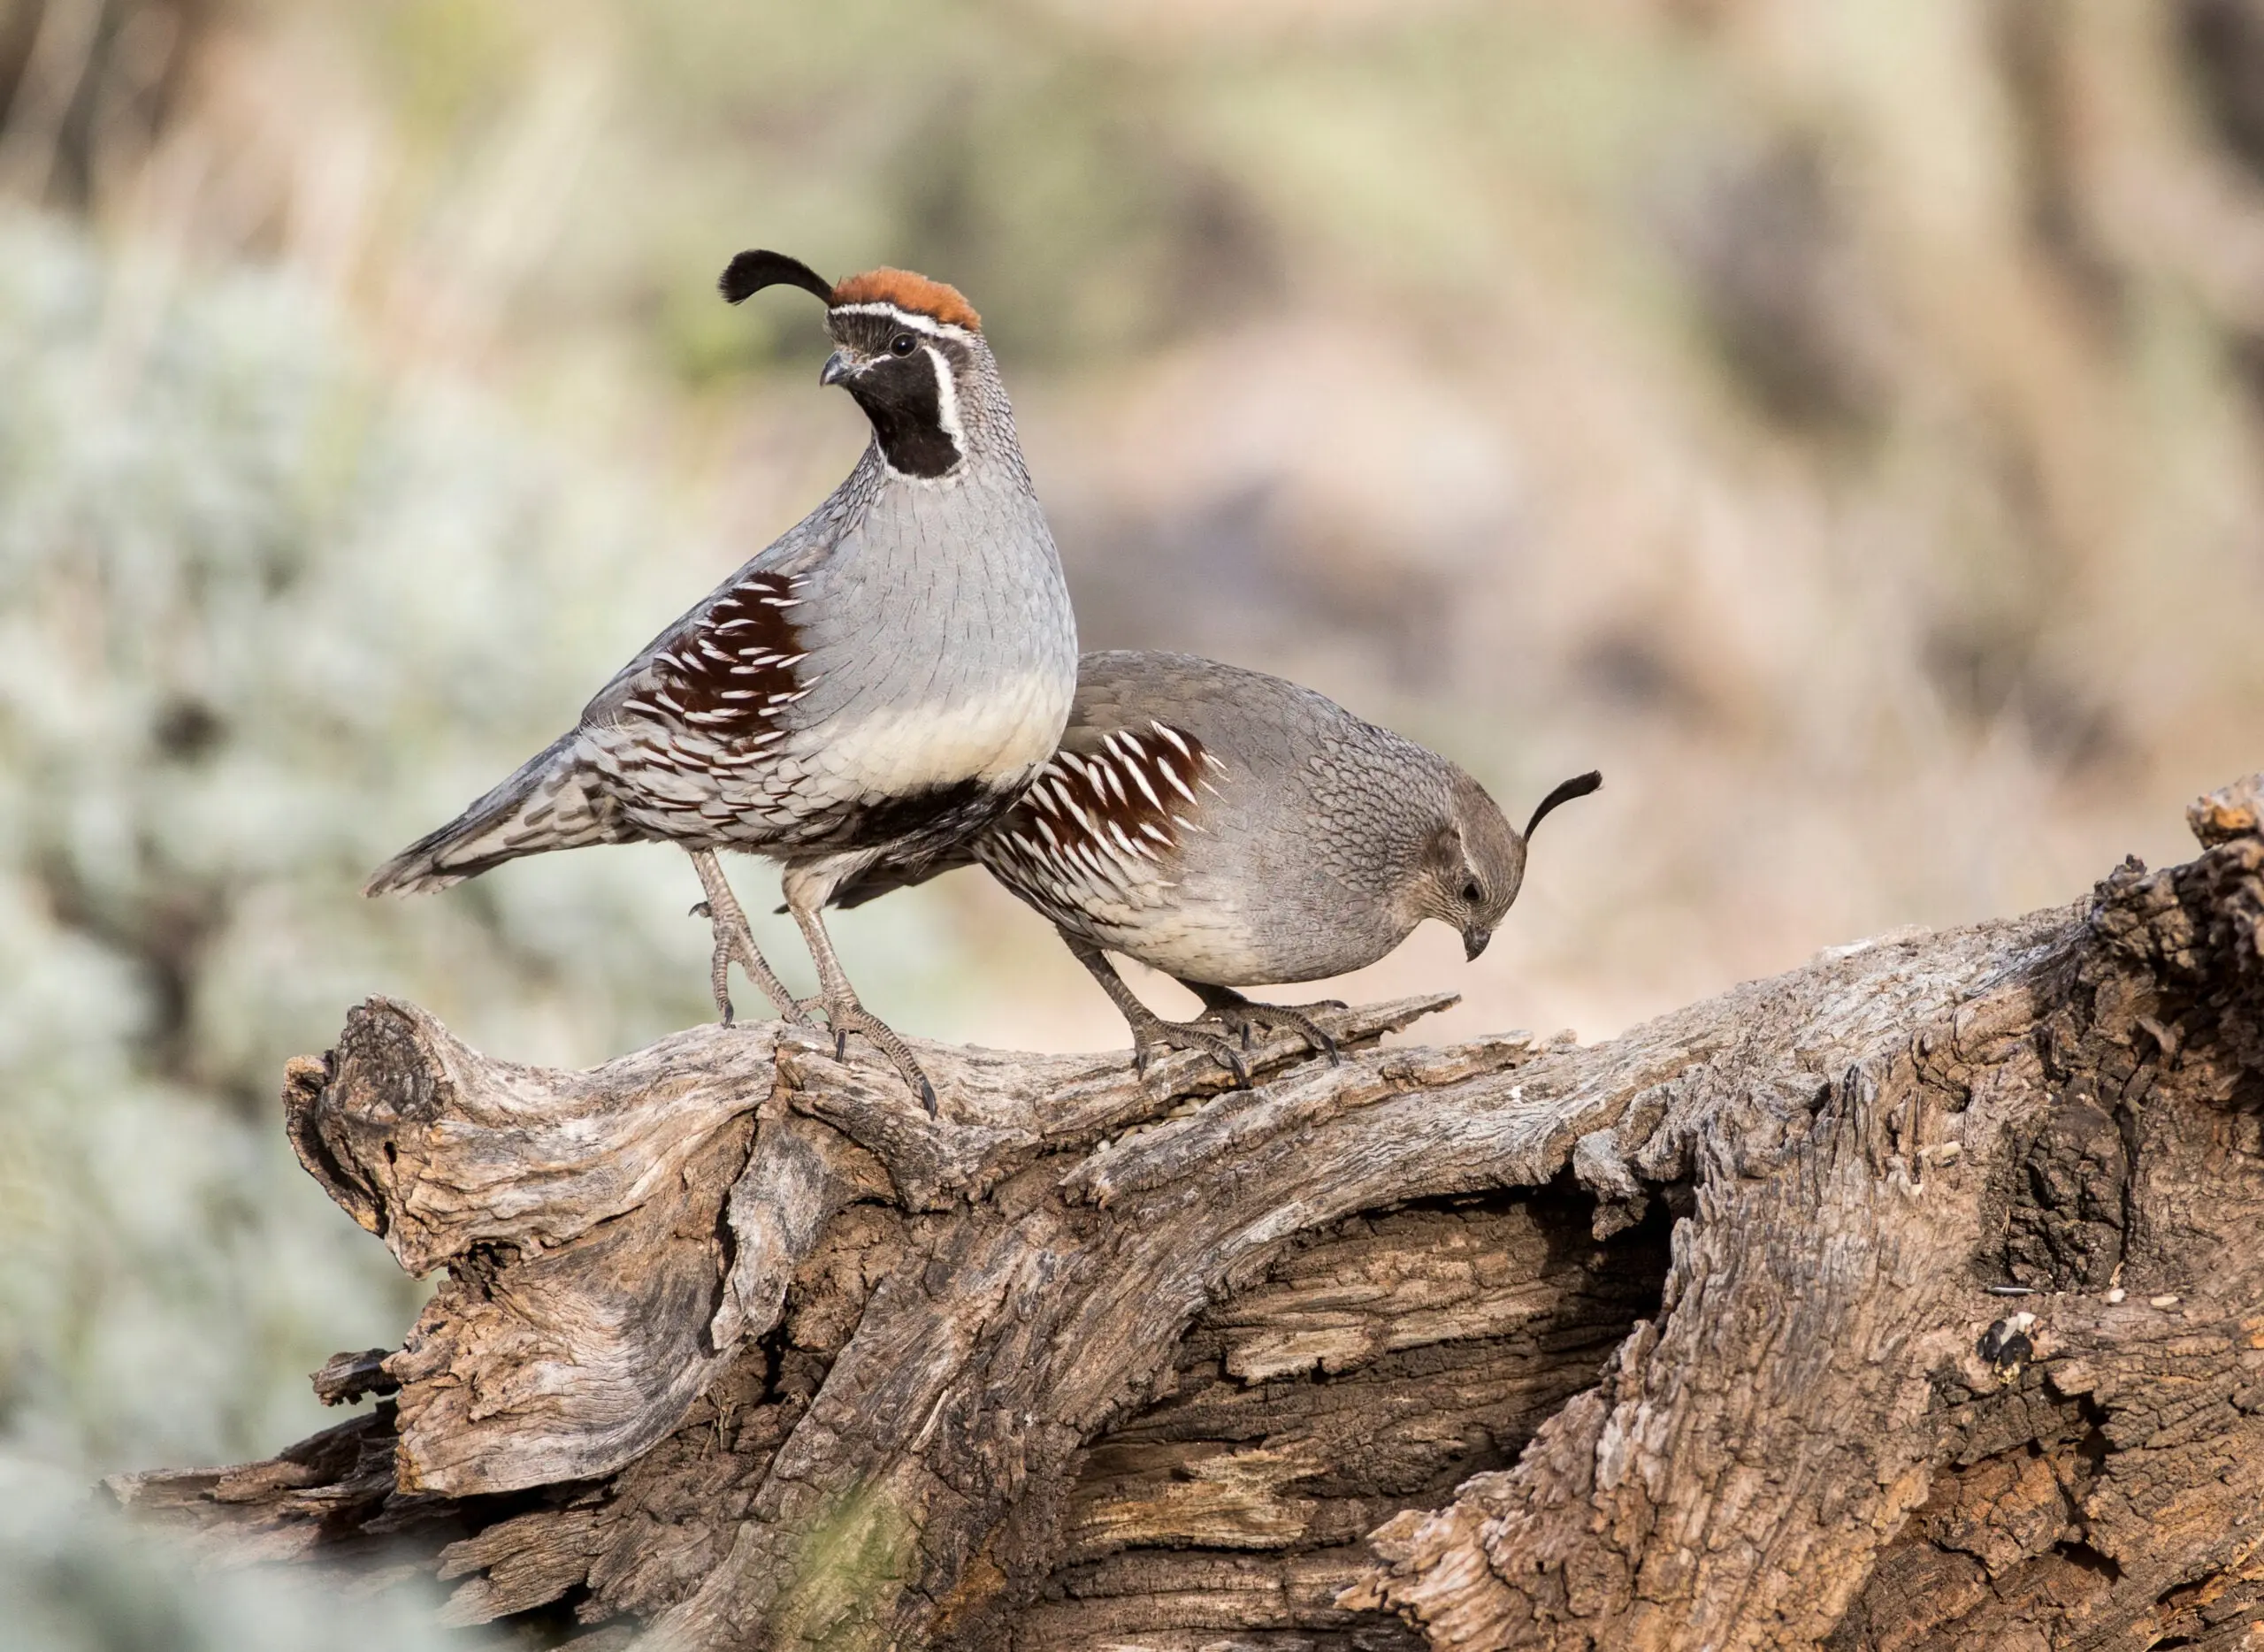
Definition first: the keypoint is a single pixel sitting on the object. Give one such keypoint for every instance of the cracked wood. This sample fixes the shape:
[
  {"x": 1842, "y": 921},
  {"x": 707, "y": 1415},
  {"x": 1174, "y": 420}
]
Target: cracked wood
[{"x": 1677, "y": 1340}]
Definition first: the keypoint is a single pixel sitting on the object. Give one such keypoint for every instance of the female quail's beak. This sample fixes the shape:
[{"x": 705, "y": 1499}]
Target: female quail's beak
[
  {"x": 838, "y": 367},
  {"x": 1473, "y": 941}
]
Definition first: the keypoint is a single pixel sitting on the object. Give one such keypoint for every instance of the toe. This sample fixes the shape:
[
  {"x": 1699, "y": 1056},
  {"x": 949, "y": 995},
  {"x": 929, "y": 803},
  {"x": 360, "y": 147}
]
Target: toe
[
  {"x": 1317, "y": 1035},
  {"x": 850, "y": 1017}
]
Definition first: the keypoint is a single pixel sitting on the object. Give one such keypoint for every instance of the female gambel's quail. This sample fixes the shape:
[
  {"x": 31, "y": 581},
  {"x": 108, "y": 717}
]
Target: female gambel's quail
[
  {"x": 882, "y": 681},
  {"x": 1230, "y": 828}
]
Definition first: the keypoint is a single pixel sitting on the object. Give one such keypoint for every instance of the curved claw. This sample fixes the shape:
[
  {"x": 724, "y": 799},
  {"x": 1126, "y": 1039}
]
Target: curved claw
[
  {"x": 1149, "y": 1037},
  {"x": 735, "y": 943},
  {"x": 846, "y": 1018},
  {"x": 1250, "y": 1018}
]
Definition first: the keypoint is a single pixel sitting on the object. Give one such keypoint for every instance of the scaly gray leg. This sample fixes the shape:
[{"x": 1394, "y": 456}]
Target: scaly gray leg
[
  {"x": 1247, "y": 1017},
  {"x": 806, "y": 900},
  {"x": 1150, "y": 1030},
  {"x": 735, "y": 939}
]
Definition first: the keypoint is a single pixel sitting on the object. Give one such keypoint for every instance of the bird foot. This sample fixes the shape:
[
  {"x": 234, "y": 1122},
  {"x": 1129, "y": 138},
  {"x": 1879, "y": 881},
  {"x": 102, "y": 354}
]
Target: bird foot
[
  {"x": 1248, "y": 1019},
  {"x": 734, "y": 940},
  {"x": 849, "y": 1016},
  {"x": 1154, "y": 1033},
  {"x": 719, "y": 962}
]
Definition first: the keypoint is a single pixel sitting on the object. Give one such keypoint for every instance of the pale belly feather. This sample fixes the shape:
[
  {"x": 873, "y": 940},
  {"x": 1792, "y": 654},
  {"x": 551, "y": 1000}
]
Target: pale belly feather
[{"x": 1000, "y": 738}]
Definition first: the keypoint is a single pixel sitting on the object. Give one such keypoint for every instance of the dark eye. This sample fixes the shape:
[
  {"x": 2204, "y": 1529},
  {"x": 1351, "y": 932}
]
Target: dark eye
[
  {"x": 1471, "y": 893},
  {"x": 903, "y": 344}
]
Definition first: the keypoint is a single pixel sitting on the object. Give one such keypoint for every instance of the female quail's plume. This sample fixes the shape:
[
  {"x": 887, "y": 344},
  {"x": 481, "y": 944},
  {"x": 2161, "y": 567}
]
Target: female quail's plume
[
  {"x": 880, "y": 683},
  {"x": 1231, "y": 829}
]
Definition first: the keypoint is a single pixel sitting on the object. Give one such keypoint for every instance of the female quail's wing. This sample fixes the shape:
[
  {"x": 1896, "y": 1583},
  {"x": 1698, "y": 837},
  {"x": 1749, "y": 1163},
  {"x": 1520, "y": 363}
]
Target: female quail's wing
[{"x": 1100, "y": 827}]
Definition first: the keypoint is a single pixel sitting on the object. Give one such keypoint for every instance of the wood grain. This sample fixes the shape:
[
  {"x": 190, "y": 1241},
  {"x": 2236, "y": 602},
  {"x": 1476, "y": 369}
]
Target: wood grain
[{"x": 1701, "y": 1337}]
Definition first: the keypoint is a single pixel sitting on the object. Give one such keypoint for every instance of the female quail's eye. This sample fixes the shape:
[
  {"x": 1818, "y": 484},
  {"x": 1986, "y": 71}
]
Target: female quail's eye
[
  {"x": 903, "y": 344},
  {"x": 1470, "y": 892}
]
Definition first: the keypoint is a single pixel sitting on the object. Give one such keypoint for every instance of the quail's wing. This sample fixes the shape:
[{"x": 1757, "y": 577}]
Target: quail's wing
[
  {"x": 688, "y": 734},
  {"x": 1105, "y": 819},
  {"x": 725, "y": 673},
  {"x": 1099, "y": 821}
]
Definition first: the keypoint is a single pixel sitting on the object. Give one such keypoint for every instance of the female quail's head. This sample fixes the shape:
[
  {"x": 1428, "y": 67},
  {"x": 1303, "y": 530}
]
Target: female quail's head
[{"x": 1477, "y": 859}]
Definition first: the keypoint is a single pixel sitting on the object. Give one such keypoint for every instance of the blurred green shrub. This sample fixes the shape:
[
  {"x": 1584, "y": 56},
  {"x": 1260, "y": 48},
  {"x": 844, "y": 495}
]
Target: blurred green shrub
[{"x": 262, "y": 618}]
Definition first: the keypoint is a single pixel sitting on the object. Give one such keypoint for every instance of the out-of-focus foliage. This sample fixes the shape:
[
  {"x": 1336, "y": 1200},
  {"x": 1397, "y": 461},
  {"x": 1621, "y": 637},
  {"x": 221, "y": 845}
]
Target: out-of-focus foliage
[
  {"x": 247, "y": 595},
  {"x": 261, "y": 614},
  {"x": 74, "y": 1579},
  {"x": 1840, "y": 423}
]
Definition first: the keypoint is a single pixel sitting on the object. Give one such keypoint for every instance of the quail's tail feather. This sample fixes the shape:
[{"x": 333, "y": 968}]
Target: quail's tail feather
[
  {"x": 886, "y": 876},
  {"x": 544, "y": 805}
]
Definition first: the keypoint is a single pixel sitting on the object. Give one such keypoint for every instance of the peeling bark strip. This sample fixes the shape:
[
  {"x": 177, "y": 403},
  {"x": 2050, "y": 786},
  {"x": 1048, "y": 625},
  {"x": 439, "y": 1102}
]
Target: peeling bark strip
[{"x": 1913, "y": 1299}]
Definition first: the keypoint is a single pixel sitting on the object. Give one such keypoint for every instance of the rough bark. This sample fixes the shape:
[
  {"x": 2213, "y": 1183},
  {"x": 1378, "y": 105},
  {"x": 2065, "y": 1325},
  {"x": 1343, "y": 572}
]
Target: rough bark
[{"x": 1912, "y": 1299}]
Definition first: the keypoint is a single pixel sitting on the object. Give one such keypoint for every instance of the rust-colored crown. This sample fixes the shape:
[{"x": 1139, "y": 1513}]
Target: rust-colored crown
[{"x": 907, "y": 291}]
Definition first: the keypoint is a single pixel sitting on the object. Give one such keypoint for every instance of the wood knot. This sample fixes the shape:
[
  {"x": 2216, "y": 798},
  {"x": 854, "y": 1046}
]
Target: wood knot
[
  {"x": 2006, "y": 1346},
  {"x": 344, "y": 1378},
  {"x": 2229, "y": 812}
]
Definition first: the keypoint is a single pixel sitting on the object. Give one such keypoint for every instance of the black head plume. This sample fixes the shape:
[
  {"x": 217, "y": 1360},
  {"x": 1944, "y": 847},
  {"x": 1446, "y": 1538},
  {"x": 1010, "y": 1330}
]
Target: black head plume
[
  {"x": 753, "y": 271},
  {"x": 1577, "y": 786}
]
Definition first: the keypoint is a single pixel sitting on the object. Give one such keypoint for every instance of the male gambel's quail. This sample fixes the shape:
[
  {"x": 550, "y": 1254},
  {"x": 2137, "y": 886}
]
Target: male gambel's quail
[
  {"x": 1230, "y": 828},
  {"x": 883, "y": 681}
]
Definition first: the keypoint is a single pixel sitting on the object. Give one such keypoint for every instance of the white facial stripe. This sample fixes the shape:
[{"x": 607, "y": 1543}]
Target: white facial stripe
[
  {"x": 911, "y": 318},
  {"x": 947, "y": 400}
]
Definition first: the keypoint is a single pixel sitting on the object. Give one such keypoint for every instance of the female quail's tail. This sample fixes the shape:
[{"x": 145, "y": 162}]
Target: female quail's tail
[{"x": 544, "y": 805}]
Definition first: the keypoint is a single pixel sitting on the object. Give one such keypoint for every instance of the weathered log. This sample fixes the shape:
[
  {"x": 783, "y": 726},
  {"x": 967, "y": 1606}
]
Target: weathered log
[{"x": 1913, "y": 1298}]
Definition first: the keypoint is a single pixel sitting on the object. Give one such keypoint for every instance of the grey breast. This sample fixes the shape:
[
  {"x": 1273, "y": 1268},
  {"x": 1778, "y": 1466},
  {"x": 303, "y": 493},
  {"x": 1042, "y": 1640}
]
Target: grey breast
[{"x": 903, "y": 639}]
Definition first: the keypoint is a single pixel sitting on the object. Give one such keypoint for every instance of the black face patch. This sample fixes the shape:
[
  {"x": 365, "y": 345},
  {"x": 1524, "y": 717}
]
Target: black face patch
[{"x": 899, "y": 392}]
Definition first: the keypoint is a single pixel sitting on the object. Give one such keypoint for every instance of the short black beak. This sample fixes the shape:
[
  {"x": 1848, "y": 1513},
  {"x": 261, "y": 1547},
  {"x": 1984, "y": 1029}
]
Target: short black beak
[
  {"x": 1473, "y": 942},
  {"x": 838, "y": 367}
]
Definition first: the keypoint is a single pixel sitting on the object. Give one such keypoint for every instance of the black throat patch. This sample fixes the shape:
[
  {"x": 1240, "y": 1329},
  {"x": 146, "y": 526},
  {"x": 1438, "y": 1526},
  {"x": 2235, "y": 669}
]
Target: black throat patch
[{"x": 902, "y": 397}]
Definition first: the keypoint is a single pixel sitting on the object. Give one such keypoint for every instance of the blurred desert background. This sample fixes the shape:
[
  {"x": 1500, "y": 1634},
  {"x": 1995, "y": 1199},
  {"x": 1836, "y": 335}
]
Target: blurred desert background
[{"x": 1841, "y": 423}]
